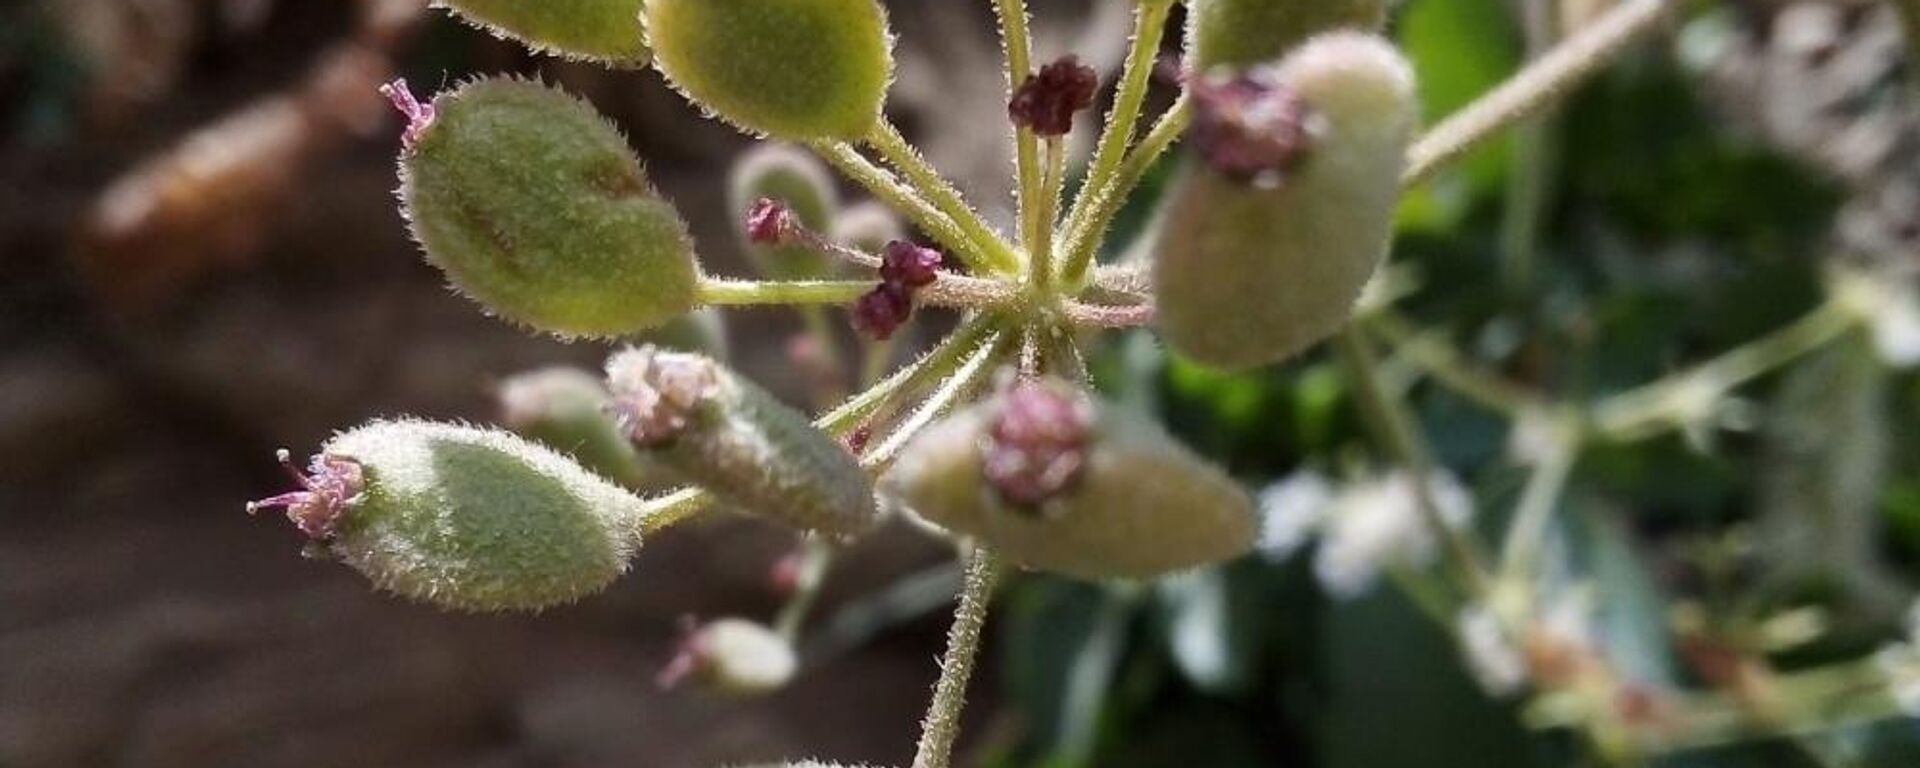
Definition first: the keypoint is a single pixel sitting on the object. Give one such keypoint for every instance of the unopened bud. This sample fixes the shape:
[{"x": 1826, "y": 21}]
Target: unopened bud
[
  {"x": 1047, "y": 101},
  {"x": 787, "y": 196},
  {"x": 733, "y": 656}
]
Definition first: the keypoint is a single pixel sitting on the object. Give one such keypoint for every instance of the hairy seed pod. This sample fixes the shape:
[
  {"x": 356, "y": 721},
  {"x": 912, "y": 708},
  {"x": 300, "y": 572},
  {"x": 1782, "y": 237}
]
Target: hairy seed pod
[
  {"x": 773, "y": 171},
  {"x": 464, "y": 518},
  {"x": 1240, "y": 33},
  {"x": 726, "y": 434},
  {"x": 1249, "y": 273},
  {"x": 607, "y": 31},
  {"x": 1056, "y": 482},
  {"x": 791, "y": 69},
  {"x": 534, "y": 206}
]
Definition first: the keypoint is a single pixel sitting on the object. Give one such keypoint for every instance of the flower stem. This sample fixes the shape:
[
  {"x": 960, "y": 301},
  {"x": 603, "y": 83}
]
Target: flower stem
[
  {"x": 1019, "y": 44},
  {"x": 1393, "y": 426},
  {"x": 903, "y": 198},
  {"x": 1039, "y": 265},
  {"x": 1150, "y": 21},
  {"x": 925, "y": 179},
  {"x": 815, "y": 558},
  {"x": 942, "y": 724},
  {"x": 1087, "y": 230},
  {"x": 732, "y": 293},
  {"x": 1538, "y": 85},
  {"x": 962, "y": 385}
]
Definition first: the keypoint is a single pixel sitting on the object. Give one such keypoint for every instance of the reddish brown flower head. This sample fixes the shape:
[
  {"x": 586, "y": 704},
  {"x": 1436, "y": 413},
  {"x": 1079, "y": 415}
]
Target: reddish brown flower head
[
  {"x": 771, "y": 222},
  {"x": 330, "y": 486},
  {"x": 910, "y": 265},
  {"x": 656, "y": 392},
  {"x": 1047, "y": 101},
  {"x": 419, "y": 115},
  {"x": 882, "y": 310},
  {"x": 1037, "y": 441},
  {"x": 1250, "y": 126}
]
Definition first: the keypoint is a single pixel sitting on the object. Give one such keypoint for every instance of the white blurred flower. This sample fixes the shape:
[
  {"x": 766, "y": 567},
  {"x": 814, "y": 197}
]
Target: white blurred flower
[
  {"x": 1490, "y": 655},
  {"x": 1898, "y": 663},
  {"x": 1291, "y": 510},
  {"x": 1376, "y": 524},
  {"x": 1896, "y": 327}
]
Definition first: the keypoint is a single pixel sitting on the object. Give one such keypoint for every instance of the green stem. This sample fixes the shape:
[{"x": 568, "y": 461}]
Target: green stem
[
  {"x": 1540, "y": 84},
  {"x": 1019, "y": 45},
  {"x": 740, "y": 293},
  {"x": 1527, "y": 535},
  {"x": 901, "y": 197},
  {"x": 926, "y": 180},
  {"x": 814, "y": 561},
  {"x": 1388, "y": 419},
  {"x": 942, "y": 724},
  {"x": 1039, "y": 265},
  {"x": 1086, "y": 231},
  {"x": 1535, "y": 155},
  {"x": 1450, "y": 367},
  {"x": 1150, "y": 21},
  {"x": 962, "y": 385}
]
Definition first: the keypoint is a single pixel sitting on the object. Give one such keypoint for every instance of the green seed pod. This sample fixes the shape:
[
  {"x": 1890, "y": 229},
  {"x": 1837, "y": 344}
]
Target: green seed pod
[
  {"x": 463, "y": 518},
  {"x": 1056, "y": 482},
  {"x": 1261, "y": 250},
  {"x": 789, "y": 175},
  {"x": 726, "y": 434},
  {"x": 607, "y": 31},
  {"x": 566, "y": 409},
  {"x": 1246, "y": 32},
  {"x": 534, "y": 206},
  {"x": 792, "y": 69}
]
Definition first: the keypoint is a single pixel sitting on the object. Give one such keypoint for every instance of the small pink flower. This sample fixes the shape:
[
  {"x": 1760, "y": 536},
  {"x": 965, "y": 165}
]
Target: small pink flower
[
  {"x": 1250, "y": 126},
  {"x": 330, "y": 486},
  {"x": 911, "y": 265},
  {"x": 419, "y": 115},
  {"x": 770, "y": 222},
  {"x": 880, "y": 312},
  {"x": 655, "y": 393},
  {"x": 1037, "y": 446}
]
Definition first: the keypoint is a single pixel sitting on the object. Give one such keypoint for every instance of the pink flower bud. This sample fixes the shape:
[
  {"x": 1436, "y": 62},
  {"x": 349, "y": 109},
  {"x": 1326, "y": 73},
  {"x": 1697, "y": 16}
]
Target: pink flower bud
[
  {"x": 1250, "y": 126},
  {"x": 1037, "y": 442},
  {"x": 770, "y": 222},
  {"x": 910, "y": 265},
  {"x": 883, "y": 310},
  {"x": 1046, "y": 102}
]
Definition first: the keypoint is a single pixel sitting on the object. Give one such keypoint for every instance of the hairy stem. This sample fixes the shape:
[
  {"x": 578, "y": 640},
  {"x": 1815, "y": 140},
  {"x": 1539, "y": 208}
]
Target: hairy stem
[
  {"x": 1393, "y": 426},
  {"x": 1538, "y": 85},
  {"x": 949, "y": 290},
  {"x": 965, "y": 382},
  {"x": 1039, "y": 265},
  {"x": 1150, "y": 21},
  {"x": 942, "y": 724},
  {"x": 903, "y": 198},
  {"x": 925, "y": 179},
  {"x": 1086, "y": 231},
  {"x": 1028, "y": 183}
]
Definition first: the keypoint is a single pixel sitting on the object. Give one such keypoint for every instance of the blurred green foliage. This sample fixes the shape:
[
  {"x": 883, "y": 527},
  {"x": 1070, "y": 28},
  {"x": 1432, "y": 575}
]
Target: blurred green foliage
[{"x": 1666, "y": 239}]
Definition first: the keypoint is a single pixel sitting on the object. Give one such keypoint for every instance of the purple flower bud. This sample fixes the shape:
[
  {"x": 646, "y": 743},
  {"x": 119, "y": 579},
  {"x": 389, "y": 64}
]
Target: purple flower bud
[
  {"x": 1249, "y": 126},
  {"x": 770, "y": 222},
  {"x": 656, "y": 392},
  {"x": 909, "y": 265},
  {"x": 1037, "y": 442},
  {"x": 329, "y": 487},
  {"x": 1047, "y": 101},
  {"x": 882, "y": 310},
  {"x": 419, "y": 115}
]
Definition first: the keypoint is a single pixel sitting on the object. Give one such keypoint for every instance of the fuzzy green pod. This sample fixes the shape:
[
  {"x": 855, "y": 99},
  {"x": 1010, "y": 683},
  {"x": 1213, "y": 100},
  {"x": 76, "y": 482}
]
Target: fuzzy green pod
[
  {"x": 607, "y": 31},
  {"x": 798, "y": 70},
  {"x": 1072, "y": 487},
  {"x": 729, "y": 436},
  {"x": 789, "y": 175},
  {"x": 1248, "y": 273},
  {"x": 534, "y": 206},
  {"x": 1247, "y": 32},
  {"x": 464, "y": 518}
]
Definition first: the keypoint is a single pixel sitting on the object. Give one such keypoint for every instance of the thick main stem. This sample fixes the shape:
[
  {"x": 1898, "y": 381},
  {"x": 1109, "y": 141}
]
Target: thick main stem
[
  {"x": 1540, "y": 84},
  {"x": 1150, "y": 21},
  {"x": 942, "y": 724}
]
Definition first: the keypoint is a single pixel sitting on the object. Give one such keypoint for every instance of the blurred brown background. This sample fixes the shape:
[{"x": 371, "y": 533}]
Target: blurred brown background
[{"x": 201, "y": 261}]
